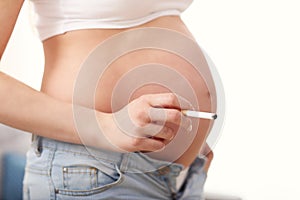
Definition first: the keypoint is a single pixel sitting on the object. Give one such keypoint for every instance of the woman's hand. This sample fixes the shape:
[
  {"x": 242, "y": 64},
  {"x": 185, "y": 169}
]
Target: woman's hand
[{"x": 148, "y": 123}]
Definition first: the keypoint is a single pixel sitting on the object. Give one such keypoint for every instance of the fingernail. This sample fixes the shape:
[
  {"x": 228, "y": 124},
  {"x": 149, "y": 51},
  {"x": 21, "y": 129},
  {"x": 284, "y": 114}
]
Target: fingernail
[
  {"x": 170, "y": 132},
  {"x": 190, "y": 127},
  {"x": 161, "y": 147}
]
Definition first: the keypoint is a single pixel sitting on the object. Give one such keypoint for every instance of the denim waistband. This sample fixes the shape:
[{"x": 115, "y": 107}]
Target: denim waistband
[{"x": 135, "y": 162}]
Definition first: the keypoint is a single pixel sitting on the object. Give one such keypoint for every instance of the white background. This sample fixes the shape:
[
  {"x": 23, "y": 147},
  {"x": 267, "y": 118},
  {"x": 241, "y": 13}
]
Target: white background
[{"x": 255, "y": 45}]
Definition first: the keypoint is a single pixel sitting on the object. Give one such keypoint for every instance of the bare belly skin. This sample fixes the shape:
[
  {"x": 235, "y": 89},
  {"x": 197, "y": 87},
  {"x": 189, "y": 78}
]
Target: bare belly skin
[{"x": 65, "y": 53}]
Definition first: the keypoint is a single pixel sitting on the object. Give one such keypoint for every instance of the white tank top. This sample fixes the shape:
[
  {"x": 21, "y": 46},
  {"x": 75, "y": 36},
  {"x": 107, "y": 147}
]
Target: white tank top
[{"x": 59, "y": 16}]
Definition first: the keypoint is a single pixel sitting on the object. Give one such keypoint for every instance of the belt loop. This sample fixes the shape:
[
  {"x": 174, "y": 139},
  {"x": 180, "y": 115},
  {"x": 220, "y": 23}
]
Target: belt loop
[
  {"x": 124, "y": 162},
  {"x": 33, "y": 137}
]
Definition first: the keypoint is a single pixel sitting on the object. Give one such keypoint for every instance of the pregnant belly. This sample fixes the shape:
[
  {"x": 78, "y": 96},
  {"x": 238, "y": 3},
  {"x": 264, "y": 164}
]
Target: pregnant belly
[
  {"x": 145, "y": 71},
  {"x": 156, "y": 71}
]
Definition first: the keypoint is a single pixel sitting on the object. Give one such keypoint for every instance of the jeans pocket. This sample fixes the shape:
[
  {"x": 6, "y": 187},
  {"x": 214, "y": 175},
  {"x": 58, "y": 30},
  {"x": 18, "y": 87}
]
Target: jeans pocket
[{"x": 84, "y": 180}]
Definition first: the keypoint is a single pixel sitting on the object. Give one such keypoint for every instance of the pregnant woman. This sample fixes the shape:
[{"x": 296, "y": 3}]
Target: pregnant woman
[{"x": 68, "y": 160}]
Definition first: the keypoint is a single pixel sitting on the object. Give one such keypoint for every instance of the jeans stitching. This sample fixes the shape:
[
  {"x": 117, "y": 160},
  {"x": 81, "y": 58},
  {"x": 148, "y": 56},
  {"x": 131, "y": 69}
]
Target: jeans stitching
[
  {"x": 50, "y": 181},
  {"x": 94, "y": 190}
]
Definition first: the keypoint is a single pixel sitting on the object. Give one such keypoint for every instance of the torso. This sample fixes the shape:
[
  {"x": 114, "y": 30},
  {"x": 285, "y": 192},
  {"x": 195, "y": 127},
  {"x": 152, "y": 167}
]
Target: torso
[{"x": 65, "y": 53}]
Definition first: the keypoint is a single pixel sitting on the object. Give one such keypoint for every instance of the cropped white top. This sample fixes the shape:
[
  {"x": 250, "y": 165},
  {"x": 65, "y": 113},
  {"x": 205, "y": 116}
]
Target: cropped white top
[{"x": 55, "y": 17}]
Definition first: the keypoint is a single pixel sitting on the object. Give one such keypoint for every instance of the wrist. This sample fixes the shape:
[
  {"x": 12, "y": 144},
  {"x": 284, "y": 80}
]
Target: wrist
[{"x": 107, "y": 135}]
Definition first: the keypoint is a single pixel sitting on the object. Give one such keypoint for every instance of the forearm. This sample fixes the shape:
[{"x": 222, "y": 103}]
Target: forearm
[
  {"x": 26, "y": 109},
  {"x": 9, "y": 10}
]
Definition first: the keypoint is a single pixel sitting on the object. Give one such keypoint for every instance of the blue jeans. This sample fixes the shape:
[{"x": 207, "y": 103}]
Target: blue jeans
[{"x": 57, "y": 170}]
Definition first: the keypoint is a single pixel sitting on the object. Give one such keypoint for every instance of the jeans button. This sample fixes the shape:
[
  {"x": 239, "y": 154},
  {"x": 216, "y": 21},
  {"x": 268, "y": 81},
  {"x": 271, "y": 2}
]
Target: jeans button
[{"x": 164, "y": 170}]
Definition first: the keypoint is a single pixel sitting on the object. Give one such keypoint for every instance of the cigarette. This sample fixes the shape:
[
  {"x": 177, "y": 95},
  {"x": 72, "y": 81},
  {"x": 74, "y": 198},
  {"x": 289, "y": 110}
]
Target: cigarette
[{"x": 198, "y": 114}]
